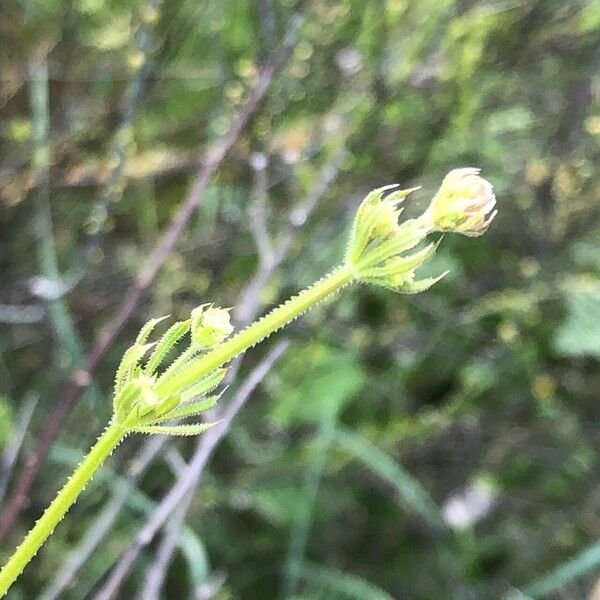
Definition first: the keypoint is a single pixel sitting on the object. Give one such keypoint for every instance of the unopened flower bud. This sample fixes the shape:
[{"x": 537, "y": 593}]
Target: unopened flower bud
[
  {"x": 386, "y": 221},
  {"x": 210, "y": 325},
  {"x": 376, "y": 220},
  {"x": 147, "y": 399},
  {"x": 147, "y": 392},
  {"x": 463, "y": 204}
]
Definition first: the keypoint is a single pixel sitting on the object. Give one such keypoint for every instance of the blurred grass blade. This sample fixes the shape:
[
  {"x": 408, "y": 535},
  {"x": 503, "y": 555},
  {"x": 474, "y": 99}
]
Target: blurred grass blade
[
  {"x": 409, "y": 489},
  {"x": 344, "y": 584},
  {"x": 552, "y": 581},
  {"x": 301, "y": 528},
  {"x": 196, "y": 557},
  {"x": 137, "y": 503}
]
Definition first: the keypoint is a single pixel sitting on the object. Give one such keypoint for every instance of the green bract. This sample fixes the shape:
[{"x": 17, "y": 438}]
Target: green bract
[{"x": 378, "y": 242}]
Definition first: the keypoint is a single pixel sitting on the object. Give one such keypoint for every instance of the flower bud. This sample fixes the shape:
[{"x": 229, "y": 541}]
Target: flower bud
[
  {"x": 376, "y": 220},
  {"x": 138, "y": 393},
  {"x": 386, "y": 219},
  {"x": 463, "y": 204},
  {"x": 210, "y": 325}
]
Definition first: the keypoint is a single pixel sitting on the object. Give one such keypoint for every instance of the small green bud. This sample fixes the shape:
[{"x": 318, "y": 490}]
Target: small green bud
[
  {"x": 210, "y": 325},
  {"x": 385, "y": 218},
  {"x": 148, "y": 399},
  {"x": 463, "y": 204},
  {"x": 376, "y": 220}
]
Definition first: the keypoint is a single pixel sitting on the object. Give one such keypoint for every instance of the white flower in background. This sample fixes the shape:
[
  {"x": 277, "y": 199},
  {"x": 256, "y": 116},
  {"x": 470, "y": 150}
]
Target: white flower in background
[
  {"x": 49, "y": 289},
  {"x": 471, "y": 505},
  {"x": 349, "y": 60}
]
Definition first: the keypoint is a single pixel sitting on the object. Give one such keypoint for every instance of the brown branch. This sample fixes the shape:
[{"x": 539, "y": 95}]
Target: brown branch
[{"x": 144, "y": 280}]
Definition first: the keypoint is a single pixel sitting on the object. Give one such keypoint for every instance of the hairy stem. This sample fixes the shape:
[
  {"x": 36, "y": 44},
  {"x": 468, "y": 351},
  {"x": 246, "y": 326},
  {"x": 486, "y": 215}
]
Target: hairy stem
[
  {"x": 256, "y": 332},
  {"x": 106, "y": 443},
  {"x": 197, "y": 369}
]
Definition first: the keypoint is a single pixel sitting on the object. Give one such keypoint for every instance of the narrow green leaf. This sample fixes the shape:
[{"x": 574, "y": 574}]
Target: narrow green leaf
[
  {"x": 398, "y": 196},
  {"x": 409, "y": 489},
  {"x": 196, "y": 557},
  {"x": 404, "y": 239},
  {"x": 415, "y": 287},
  {"x": 165, "y": 344},
  {"x": 183, "y": 360},
  {"x": 189, "y": 410},
  {"x": 194, "y": 429},
  {"x": 129, "y": 361},
  {"x": 156, "y": 413},
  {"x": 342, "y": 583},
  {"x": 124, "y": 399},
  {"x": 363, "y": 224},
  {"x": 147, "y": 329},
  {"x": 582, "y": 563},
  {"x": 403, "y": 264},
  {"x": 206, "y": 384}
]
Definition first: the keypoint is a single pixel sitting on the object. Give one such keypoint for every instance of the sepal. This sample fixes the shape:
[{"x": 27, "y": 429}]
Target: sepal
[
  {"x": 128, "y": 363},
  {"x": 416, "y": 287},
  {"x": 166, "y": 344}
]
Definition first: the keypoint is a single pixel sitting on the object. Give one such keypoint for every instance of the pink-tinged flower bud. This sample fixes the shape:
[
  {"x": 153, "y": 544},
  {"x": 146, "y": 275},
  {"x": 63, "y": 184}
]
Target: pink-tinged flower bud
[
  {"x": 463, "y": 204},
  {"x": 210, "y": 325}
]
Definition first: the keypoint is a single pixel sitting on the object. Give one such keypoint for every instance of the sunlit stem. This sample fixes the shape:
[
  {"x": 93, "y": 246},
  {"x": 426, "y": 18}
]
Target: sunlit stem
[{"x": 40, "y": 532}]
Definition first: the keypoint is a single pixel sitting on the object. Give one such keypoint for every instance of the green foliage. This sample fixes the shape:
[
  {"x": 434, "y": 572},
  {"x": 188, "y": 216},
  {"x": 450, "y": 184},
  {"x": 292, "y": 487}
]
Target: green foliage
[
  {"x": 494, "y": 370},
  {"x": 584, "y": 562},
  {"x": 579, "y": 335},
  {"x": 165, "y": 345},
  {"x": 410, "y": 491},
  {"x": 338, "y": 584},
  {"x": 317, "y": 381}
]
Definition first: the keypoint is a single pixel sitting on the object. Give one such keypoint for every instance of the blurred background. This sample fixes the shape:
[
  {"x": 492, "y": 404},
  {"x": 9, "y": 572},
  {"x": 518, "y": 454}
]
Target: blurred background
[{"x": 159, "y": 154}]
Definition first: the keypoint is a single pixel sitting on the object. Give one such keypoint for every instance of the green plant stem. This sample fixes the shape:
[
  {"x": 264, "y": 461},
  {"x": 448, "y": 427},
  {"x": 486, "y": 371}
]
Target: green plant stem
[
  {"x": 106, "y": 443},
  {"x": 256, "y": 332},
  {"x": 196, "y": 370}
]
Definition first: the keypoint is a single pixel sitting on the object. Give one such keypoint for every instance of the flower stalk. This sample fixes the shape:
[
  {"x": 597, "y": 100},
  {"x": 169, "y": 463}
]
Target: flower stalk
[
  {"x": 153, "y": 398},
  {"x": 256, "y": 332},
  {"x": 44, "y": 527}
]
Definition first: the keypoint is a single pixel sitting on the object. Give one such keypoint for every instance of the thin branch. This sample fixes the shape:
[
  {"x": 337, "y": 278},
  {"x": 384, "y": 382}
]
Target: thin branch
[
  {"x": 157, "y": 571},
  {"x": 144, "y": 280},
  {"x": 190, "y": 476},
  {"x": 249, "y": 300},
  {"x": 173, "y": 458}
]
